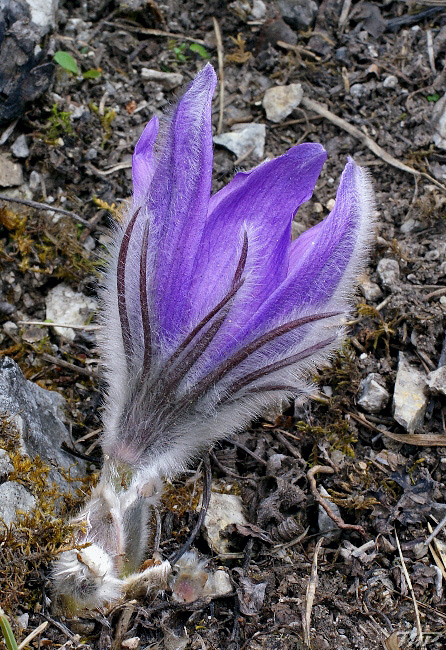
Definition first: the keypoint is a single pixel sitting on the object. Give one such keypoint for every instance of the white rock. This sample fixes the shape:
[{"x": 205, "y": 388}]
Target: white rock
[
  {"x": 218, "y": 584},
  {"x": 224, "y": 510},
  {"x": 438, "y": 123},
  {"x": 34, "y": 181},
  {"x": 168, "y": 80},
  {"x": 20, "y": 147},
  {"x": 247, "y": 138},
  {"x": 390, "y": 81},
  {"x": 280, "y": 101},
  {"x": 10, "y": 172},
  {"x": 63, "y": 305},
  {"x": 43, "y": 13},
  {"x": 373, "y": 397},
  {"x": 409, "y": 397},
  {"x": 258, "y": 10},
  {"x": 436, "y": 380},
  {"x": 370, "y": 290},
  {"x": 388, "y": 271},
  {"x": 13, "y": 497},
  {"x": 410, "y": 225}
]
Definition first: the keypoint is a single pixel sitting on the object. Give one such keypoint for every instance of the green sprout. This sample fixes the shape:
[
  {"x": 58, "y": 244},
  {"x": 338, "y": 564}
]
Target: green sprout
[
  {"x": 7, "y": 632},
  {"x": 67, "y": 62}
]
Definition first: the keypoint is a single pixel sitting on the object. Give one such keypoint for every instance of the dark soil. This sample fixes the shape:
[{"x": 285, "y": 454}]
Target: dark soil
[{"x": 81, "y": 133}]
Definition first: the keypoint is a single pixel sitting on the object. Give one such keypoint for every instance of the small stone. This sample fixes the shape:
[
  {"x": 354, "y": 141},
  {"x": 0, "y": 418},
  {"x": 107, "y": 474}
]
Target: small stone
[
  {"x": 20, "y": 147},
  {"x": 388, "y": 271},
  {"x": 410, "y": 225},
  {"x": 5, "y": 464},
  {"x": 34, "y": 181},
  {"x": 132, "y": 643},
  {"x": 436, "y": 380},
  {"x": 327, "y": 526},
  {"x": 258, "y": 10},
  {"x": 390, "y": 81},
  {"x": 299, "y": 14},
  {"x": 168, "y": 80},
  {"x": 370, "y": 290},
  {"x": 91, "y": 153},
  {"x": 10, "y": 172},
  {"x": 330, "y": 204},
  {"x": 35, "y": 334},
  {"x": 63, "y": 305},
  {"x": 280, "y": 101},
  {"x": 245, "y": 140},
  {"x": 223, "y": 511},
  {"x": 409, "y": 398},
  {"x": 218, "y": 584},
  {"x": 13, "y": 497},
  {"x": 10, "y": 327},
  {"x": 357, "y": 90},
  {"x": 372, "y": 397}
]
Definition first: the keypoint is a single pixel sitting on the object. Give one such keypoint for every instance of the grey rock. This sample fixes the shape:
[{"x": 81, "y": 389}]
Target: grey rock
[
  {"x": 248, "y": 138},
  {"x": 357, "y": 90},
  {"x": 372, "y": 397},
  {"x": 168, "y": 80},
  {"x": 280, "y": 101},
  {"x": 10, "y": 172},
  {"x": 409, "y": 397},
  {"x": 299, "y": 14},
  {"x": 410, "y": 225},
  {"x": 63, "y": 305},
  {"x": 20, "y": 147},
  {"x": 438, "y": 123},
  {"x": 436, "y": 381},
  {"x": 34, "y": 181},
  {"x": 43, "y": 14},
  {"x": 390, "y": 81},
  {"x": 13, "y": 497},
  {"x": 388, "y": 271},
  {"x": 327, "y": 526},
  {"x": 5, "y": 464},
  {"x": 91, "y": 153},
  {"x": 37, "y": 415},
  {"x": 370, "y": 290}
]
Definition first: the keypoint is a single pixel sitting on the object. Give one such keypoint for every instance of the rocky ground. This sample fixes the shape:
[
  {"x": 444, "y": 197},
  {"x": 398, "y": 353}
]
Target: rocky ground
[{"x": 365, "y": 80}]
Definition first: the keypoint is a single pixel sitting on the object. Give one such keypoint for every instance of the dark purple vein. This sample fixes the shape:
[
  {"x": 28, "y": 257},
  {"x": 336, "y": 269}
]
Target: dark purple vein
[{"x": 120, "y": 282}]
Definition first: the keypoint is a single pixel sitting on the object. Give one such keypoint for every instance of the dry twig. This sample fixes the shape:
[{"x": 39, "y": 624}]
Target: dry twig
[
  {"x": 310, "y": 594},
  {"x": 414, "y": 600},
  {"x": 323, "y": 469}
]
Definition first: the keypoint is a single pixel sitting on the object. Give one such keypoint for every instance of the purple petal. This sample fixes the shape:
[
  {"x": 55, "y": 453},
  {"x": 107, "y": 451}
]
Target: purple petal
[
  {"x": 263, "y": 202},
  {"x": 143, "y": 162},
  {"x": 325, "y": 260},
  {"x": 179, "y": 197}
]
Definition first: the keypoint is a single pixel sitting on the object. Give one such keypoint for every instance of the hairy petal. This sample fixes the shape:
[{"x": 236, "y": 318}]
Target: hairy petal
[
  {"x": 178, "y": 202},
  {"x": 326, "y": 260},
  {"x": 264, "y": 201},
  {"x": 143, "y": 162}
]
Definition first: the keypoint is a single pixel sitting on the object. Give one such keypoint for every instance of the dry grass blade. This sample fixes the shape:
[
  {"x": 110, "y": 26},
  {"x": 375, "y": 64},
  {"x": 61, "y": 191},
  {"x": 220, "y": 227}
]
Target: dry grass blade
[
  {"x": 437, "y": 549},
  {"x": 310, "y": 594},
  {"x": 418, "y": 439},
  {"x": 312, "y": 105},
  {"x": 33, "y": 635},
  {"x": 221, "y": 73},
  {"x": 414, "y": 600}
]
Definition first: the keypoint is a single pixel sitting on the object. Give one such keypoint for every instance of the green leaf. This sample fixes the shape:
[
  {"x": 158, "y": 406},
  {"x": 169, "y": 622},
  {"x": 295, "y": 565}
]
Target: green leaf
[
  {"x": 200, "y": 50},
  {"x": 94, "y": 73},
  {"x": 66, "y": 61},
  {"x": 433, "y": 98},
  {"x": 8, "y": 634}
]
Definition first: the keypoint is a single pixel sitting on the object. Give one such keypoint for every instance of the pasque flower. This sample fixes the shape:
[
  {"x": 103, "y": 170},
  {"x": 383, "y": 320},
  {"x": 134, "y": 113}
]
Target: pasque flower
[{"x": 210, "y": 314}]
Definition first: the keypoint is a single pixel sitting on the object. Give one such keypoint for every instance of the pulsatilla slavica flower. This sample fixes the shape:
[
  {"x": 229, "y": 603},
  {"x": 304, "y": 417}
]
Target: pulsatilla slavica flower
[{"x": 210, "y": 314}]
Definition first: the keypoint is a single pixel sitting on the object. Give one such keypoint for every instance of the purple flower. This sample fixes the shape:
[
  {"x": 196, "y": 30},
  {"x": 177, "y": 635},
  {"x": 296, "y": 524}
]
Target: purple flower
[{"x": 211, "y": 312}]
